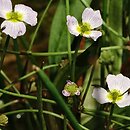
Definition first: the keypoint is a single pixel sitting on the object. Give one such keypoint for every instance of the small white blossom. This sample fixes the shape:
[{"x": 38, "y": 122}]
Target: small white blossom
[
  {"x": 14, "y": 24},
  {"x": 90, "y": 20},
  {"x": 118, "y": 91},
  {"x": 71, "y": 89}
]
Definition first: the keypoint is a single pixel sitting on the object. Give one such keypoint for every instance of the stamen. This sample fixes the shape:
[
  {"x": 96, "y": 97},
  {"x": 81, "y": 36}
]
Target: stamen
[
  {"x": 84, "y": 28},
  {"x": 14, "y": 16},
  {"x": 114, "y": 96}
]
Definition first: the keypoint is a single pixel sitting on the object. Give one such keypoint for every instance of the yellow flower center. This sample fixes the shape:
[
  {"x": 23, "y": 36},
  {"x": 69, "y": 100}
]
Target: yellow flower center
[
  {"x": 84, "y": 28},
  {"x": 114, "y": 95},
  {"x": 71, "y": 88},
  {"x": 14, "y": 16}
]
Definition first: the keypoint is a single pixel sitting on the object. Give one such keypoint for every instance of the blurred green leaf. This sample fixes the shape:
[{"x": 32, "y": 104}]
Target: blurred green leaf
[
  {"x": 113, "y": 17},
  {"x": 58, "y": 35}
]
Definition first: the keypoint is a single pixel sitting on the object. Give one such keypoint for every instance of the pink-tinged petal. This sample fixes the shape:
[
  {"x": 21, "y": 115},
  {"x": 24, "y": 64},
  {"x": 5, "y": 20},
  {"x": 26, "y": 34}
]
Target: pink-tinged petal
[
  {"x": 5, "y": 7},
  {"x": 13, "y": 29},
  {"x": 92, "y": 17},
  {"x": 72, "y": 24},
  {"x": 77, "y": 93},
  {"x": 69, "y": 82},
  {"x": 29, "y": 15},
  {"x": 125, "y": 101},
  {"x": 119, "y": 82},
  {"x": 93, "y": 34},
  {"x": 65, "y": 93},
  {"x": 100, "y": 94}
]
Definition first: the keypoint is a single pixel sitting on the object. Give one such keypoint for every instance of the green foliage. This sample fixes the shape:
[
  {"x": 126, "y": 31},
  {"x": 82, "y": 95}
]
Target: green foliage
[{"x": 31, "y": 92}]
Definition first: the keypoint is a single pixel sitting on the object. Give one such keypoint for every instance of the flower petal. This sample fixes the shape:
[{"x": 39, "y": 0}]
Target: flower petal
[
  {"x": 5, "y": 6},
  {"x": 125, "y": 101},
  {"x": 72, "y": 24},
  {"x": 119, "y": 82},
  {"x": 29, "y": 15},
  {"x": 13, "y": 29},
  {"x": 93, "y": 34},
  {"x": 92, "y": 17},
  {"x": 100, "y": 94},
  {"x": 65, "y": 93},
  {"x": 77, "y": 93}
]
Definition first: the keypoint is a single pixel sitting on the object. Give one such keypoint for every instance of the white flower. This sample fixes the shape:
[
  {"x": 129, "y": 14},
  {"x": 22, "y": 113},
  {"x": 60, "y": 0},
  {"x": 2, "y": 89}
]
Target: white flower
[
  {"x": 14, "y": 24},
  {"x": 90, "y": 20},
  {"x": 118, "y": 91},
  {"x": 71, "y": 89}
]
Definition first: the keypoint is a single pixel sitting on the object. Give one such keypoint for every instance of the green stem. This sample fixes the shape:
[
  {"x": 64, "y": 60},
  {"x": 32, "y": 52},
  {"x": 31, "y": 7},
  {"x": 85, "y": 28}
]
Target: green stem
[
  {"x": 86, "y": 3},
  {"x": 26, "y": 46},
  {"x": 88, "y": 85},
  {"x": 40, "y": 105},
  {"x": 5, "y": 76},
  {"x": 118, "y": 123},
  {"x": 105, "y": 10},
  {"x": 105, "y": 7},
  {"x": 40, "y": 53},
  {"x": 68, "y": 34},
  {"x": 9, "y": 103},
  {"x": 60, "y": 53},
  {"x": 84, "y": 128},
  {"x": 54, "y": 53},
  {"x": 24, "y": 42},
  {"x": 122, "y": 126},
  {"x": 52, "y": 88},
  {"x": 9, "y": 81},
  {"x": 110, "y": 116},
  {"x": 103, "y": 114},
  {"x": 33, "y": 110},
  {"x": 115, "y": 32},
  {"x": 102, "y": 75},
  {"x": 34, "y": 72},
  {"x": 29, "y": 117},
  {"x": 113, "y": 48},
  {"x": 28, "y": 106},
  {"x": 74, "y": 59},
  {"x": 18, "y": 59},
  {"x": 65, "y": 123},
  {"x": 26, "y": 96},
  {"x": 39, "y": 24},
  {"x": 4, "y": 51}
]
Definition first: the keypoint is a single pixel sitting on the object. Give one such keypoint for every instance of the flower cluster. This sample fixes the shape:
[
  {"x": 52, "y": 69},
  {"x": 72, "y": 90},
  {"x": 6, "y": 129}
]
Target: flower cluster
[
  {"x": 90, "y": 20},
  {"x": 14, "y": 24},
  {"x": 71, "y": 89},
  {"x": 3, "y": 120},
  {"x": 118, "y": 91},
  {"x": 106, "y": 57}
]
